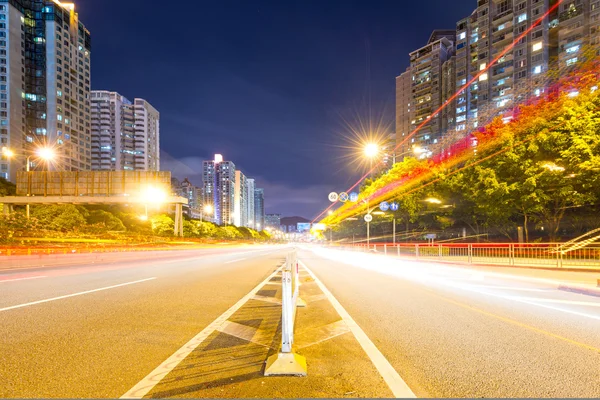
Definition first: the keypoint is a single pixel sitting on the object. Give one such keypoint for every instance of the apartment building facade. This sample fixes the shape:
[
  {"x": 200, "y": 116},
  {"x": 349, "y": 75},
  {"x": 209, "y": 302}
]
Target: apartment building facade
[
  {"x": 502, "y": 41},
  {"x": 45, "y": 74}
]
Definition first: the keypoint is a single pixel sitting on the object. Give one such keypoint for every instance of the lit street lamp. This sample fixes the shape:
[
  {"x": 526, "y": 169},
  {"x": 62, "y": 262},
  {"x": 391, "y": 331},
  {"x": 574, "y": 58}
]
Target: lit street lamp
[
  {"x": 208, "y": 209},
  {"x": 45, "y": 153}
]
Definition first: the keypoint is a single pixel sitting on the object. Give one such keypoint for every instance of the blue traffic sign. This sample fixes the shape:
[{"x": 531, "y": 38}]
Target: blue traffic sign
[
  {"x": 384, "y": 206},
  {"x": 343, "y": 197},
  {"x": 354, "y": 197},
  {"x": 394, "y": 206}
]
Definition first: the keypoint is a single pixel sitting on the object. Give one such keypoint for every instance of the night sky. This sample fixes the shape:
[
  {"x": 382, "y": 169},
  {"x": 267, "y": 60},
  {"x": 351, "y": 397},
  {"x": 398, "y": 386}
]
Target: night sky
[{"x": 271, "y": 85}]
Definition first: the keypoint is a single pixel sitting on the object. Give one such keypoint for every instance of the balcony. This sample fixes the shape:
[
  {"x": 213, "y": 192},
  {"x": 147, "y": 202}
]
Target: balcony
[{"x": 572, "y": 12}]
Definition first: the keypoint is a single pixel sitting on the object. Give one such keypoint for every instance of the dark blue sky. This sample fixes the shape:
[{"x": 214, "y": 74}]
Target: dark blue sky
[{"x": 268, "y": 84}]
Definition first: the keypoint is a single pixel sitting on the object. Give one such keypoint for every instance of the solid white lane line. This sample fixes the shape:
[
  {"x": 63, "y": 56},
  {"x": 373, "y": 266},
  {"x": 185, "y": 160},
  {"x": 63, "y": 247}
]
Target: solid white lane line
[
  {"x": 74, "y": 294},
  {"x": 153, "y": 378},
  {"x": 396, "y": 384},
  {"x": 234, "y": 261},
  {"x": 22, "y": 279}
]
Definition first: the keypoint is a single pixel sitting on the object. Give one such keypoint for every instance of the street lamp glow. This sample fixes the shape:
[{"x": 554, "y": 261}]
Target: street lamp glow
[
  {"x": 155, "y": 195},
  {"x": 329, "y": 212},
  {"x": 378, "y": 213},
  {"x": 257, "y": 226},
  {"x": 143, "y": 217},
  {"x": 45, "y": 153},
  {"x": 208, "y": 209},
  {"x": 433, "y": 200},
  {"x": 371, "y": 150},
  {"x": 8, "y": 153},
  {"x": 552, "y": 167},
  {"x": 419, "y": 150}
]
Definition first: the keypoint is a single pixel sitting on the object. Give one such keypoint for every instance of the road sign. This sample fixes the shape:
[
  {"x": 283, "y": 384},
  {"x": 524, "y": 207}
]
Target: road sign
[
  {"x": 343, "y": 197},
  {"x": 333, "y": 197},
  {"x": 384, "y": 206},
  {"x": 430, "y": 236},
  {"x": 368, "y": 218},
  {"x": 394, "y": 206},
  {"x": 354, "y": 197}
]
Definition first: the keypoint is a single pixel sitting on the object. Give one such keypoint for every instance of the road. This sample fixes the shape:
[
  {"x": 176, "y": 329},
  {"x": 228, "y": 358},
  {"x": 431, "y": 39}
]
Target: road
[
  {"x": 457, "y": 332},
  {"x": 99, "y": 330},
  {"x": 99, "y": 344}
]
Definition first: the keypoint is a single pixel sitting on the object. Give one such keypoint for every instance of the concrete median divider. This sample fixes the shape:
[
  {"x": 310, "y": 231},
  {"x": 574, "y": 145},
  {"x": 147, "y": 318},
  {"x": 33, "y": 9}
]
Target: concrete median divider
[{"x": 286, "y": 362}]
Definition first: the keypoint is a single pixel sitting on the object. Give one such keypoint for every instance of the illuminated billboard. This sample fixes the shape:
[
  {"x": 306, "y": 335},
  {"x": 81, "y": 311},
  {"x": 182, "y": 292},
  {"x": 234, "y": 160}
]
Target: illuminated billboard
[{"x": 303, "y": 227}]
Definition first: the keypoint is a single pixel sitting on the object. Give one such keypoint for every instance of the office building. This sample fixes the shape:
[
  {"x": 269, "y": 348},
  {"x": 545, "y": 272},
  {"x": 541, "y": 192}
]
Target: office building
[
  {"x": 218, "y": 178},
  {"x": 45, "y": 54},
  {"x": 125, "y": 134},
  {"x": 240, "y": 200},
  {"x": 250, "y": 186},
  {"x": 273, "y": 221},
  {"x": 259, "y": 209}
]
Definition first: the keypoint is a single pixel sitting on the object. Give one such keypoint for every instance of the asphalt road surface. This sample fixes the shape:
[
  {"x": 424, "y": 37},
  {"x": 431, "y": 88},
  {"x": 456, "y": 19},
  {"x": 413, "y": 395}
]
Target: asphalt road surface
[
  {"x": 468, "y": 332},
  {"x": 96, "y": 330}
]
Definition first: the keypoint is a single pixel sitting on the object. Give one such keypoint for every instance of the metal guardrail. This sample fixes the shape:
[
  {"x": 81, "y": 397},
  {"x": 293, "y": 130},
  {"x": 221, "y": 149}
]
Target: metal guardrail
[
  {"x": 511, "y": 254},
  {"x": 286, "y": 362}
]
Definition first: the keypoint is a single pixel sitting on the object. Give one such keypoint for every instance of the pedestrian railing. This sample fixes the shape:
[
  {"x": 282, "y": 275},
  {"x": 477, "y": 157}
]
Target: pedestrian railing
[
  {"x": 536, "y": 255},
  {"x": 286, "y": 362}
]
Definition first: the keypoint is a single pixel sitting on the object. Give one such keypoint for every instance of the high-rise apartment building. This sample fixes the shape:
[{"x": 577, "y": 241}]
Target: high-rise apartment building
[
  {"x": 125, "y": 135},
  {"x": 403, "y": 104},
  {"x": 557, "y": 43},
  {"x": 147, "y": 136},
  {"x": 426, "y": 66},
  {"x": 240, "y": 200},
  {"x": 218, "y": 177},
  {"x": 45, "y": 54},
  {"x": 259, "y": 209},
  {"x": 250, "y": 186}
]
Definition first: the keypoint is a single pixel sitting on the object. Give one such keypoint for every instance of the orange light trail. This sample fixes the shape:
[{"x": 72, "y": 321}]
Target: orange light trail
[{"x": 455, "y": 95}]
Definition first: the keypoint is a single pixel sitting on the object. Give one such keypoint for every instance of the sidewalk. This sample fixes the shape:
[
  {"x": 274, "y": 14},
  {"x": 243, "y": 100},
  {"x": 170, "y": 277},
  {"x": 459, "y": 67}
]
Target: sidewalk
[{"x": 230, "y": 362}]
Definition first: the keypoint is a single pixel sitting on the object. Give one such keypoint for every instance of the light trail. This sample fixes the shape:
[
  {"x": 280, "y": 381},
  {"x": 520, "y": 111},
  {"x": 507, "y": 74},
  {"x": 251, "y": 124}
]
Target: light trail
[{"x": 455, "y": 95}]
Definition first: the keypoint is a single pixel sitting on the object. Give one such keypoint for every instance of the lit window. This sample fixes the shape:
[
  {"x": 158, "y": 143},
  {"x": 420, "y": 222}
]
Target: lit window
[
  {"x": 59, "y": 93},
  {"x": 538, "y": 92},
  {"x": 572, "y": 49},
  {"x": 462, "y": 35},
  {"x": 571, "y": 61},
  {"x": 482, "y": 66},
  {"x": 522, "y": 17},
  {"x": 537, "y": 69},
  {"x": 537, "y": 46},
  {"x": 59, "y": 117},
  {"x": 483, "y": 77}
]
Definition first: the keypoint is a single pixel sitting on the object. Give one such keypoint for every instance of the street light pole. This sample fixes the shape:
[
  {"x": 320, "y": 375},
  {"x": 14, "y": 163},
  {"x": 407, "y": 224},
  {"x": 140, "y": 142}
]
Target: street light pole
[
  {"x": 394, "y": 231},
  {"x": 28, "y": 184}
]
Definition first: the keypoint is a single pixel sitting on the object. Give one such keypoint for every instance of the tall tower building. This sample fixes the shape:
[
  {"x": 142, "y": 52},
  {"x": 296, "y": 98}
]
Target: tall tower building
[
  {"x": 45, "y": 54},
  {"x": 219, "y": 189},
  {"x": 403, "y": 104},
  {"x": 250, "y": 186},
  {"x": 259, "y": 209},
  {"x": 147, "y": 136},
  {"x": 426, "y": 65},
  {"x": 240, "y": 200},
  {"x": 125, "y": 135}
]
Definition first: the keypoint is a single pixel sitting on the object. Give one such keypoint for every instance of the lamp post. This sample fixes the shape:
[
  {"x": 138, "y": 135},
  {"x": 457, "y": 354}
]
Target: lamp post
[{"x": 45, "y": 153}]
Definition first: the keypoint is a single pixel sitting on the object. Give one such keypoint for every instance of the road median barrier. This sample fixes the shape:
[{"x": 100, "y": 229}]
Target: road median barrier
[{"x": 286, "y": 362}]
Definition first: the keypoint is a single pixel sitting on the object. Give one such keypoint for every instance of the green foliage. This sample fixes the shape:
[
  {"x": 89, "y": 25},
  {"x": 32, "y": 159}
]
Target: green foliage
[
  {"x": 60, "y": 217},
  {"x": 162, "y": 225},
  {"x": 105, "y": 220},
  {"x": 229, "y": 232},
  {"x": 7, "y": 188}
]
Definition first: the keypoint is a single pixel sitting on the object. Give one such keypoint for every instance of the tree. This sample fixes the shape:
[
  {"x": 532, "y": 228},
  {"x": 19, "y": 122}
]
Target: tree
[
  {"x": 59, "y": 217},
  {"x": 7, "y": 188},
  {"x": 106, "y": 220},
  {"x": 162, "y": 225}
]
